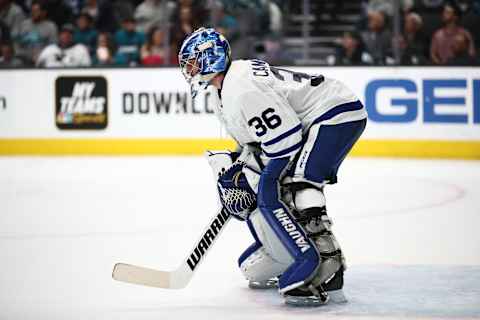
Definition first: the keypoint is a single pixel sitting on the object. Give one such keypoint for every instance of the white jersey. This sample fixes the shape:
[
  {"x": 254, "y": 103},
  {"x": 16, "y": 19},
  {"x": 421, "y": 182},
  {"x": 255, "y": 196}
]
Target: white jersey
[
  {"x": 274, "y": 107},
  {"x": 74, "y": 56}
]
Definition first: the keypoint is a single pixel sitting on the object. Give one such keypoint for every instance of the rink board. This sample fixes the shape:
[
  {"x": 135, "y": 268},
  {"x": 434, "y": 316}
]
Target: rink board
[{"x": 413, "y": 112}]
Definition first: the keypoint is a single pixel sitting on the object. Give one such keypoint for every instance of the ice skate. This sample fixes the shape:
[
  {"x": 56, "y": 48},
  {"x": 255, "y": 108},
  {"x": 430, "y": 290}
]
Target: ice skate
[
  {"x": 313, "y": 296},
  {"x": 262, "y": 285}
]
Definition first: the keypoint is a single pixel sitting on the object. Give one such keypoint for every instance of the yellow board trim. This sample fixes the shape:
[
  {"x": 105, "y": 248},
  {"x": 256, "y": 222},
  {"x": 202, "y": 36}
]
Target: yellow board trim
[
  {"x": 118, "y": 147},
  {"x": 112, "y": 147},
  {"x": 443, "y": 149}
]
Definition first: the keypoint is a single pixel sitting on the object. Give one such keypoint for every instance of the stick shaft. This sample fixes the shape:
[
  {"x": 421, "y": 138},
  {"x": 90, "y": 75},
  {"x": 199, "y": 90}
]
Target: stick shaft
[{"x": 180, "y": 277}]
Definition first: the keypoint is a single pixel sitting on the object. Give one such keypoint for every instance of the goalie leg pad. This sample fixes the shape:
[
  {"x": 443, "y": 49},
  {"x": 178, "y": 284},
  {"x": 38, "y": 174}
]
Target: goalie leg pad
[
  {"x": 293, "y": 269},
  {"x": 260, "y": 267},
  {"x": 266, "y": 258},
  {"x": 290, "y": 233}
]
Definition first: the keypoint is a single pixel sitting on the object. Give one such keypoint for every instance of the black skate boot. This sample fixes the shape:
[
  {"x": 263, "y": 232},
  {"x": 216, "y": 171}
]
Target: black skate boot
[{"x": 316, "y": 295}]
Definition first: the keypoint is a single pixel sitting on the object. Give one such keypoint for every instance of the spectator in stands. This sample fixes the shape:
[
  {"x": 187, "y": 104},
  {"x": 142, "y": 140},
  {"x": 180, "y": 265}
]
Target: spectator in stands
[
  {"x": 201, "y": 9},
  {"x": 253, "y": 23},
  {"x": 108, "y": 15},
  {"x": 85, "y": 33},
  {"x": 7, "y": 56},
  {"x": 75, "y": 6},
  {"x": 275, "y": 16},
  {"x": 12, "y": 16},
  {"x": 65, "y": 53},
  {"x": 377, "y": 38},
  {"x": 103, "y": 15},
  {"x": 430, "y": 11},
  {"x": 91, "y": 8},
  {"x": 471, "y": 21},
  {"x": 461, "y": 55},
  {"x": 384, "y": 6},
  {"x": 154, "y": 13},
  {"x": 185, "y": 22},
  {"x": 388, "y": 6},
  {"x": 35, "y": 33},
  {"x": 224, "y": 23},
  {"x": 59, "y": 12},
  {"x": 443, "y": 39},
  {"x": 429, "y": 5},
  {"x": 129, "y": 42},
  {"x": 156, "y": 51},
  {"x": 351, "y": 52},
  {"x": 4, "y": 33},
  {"x": 271, "y": 50},
  {"x": 413, "y": 43},
  {"x": 252, "y": 16},
  {"x": 105, "y": 51},
  {"x": 122, "y": 9}
]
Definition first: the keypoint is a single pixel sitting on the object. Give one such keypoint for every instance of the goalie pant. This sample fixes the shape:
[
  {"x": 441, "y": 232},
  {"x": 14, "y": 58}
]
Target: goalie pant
[{"x": 281, "y": 246}]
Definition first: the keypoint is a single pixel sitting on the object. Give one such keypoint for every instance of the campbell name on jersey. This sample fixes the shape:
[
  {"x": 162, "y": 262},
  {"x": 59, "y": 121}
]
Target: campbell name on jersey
[{"x": 275, "y": 107}]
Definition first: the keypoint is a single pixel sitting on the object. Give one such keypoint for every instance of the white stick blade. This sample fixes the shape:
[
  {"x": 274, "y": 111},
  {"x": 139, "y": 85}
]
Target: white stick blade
[{"x": 142, "y": 276}]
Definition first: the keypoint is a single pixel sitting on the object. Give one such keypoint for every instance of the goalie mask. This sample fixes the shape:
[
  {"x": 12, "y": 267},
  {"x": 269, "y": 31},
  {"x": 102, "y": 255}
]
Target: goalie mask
[{"x": 204, "y": 54}]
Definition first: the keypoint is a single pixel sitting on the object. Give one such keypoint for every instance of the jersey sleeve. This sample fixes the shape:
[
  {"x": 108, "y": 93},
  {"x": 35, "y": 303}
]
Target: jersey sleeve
[{"x": 271, "y": 122}]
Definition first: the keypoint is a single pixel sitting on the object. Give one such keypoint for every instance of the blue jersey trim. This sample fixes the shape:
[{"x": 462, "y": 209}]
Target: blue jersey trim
[
  {"x": 283, "y": 135},
  {"x": 346, "y": 107},
  {"x": 268, "y": 200},
  {"x": 285, "y": 151}
]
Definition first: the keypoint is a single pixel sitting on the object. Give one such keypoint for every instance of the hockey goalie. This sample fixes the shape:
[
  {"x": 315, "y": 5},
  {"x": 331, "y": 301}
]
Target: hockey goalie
[{"x": 294, "y": 130}]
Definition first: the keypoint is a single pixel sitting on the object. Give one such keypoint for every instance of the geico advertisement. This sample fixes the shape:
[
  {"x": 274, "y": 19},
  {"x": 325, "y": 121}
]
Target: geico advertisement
[
  {"x": 417, "y": 103},
  {"x": 402, "y": 103}
]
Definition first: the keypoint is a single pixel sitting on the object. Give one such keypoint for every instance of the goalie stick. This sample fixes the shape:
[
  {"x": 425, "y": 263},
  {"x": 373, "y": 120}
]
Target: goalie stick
[{"x": 180, "y": 277}]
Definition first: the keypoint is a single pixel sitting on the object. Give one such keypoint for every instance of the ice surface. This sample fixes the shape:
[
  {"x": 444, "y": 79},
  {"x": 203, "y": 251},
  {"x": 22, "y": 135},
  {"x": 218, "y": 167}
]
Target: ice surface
[{"x": 409, "y": 228}]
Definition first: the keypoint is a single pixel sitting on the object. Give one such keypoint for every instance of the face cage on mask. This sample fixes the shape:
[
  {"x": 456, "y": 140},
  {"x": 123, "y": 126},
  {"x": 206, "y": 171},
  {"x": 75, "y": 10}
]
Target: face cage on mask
[{"x": 188, "y": 60}]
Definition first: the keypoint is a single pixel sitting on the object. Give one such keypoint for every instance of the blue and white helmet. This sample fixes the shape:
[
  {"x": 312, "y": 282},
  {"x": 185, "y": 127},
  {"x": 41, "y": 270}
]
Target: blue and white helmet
[{"x": 204, "y": 54}]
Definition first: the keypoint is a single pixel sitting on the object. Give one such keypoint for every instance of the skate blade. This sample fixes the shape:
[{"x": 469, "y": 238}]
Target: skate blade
[
  {"x": 262, "y": 285},
  {"x": 311, "y": 301},
  {"x": 337, "y": 296}
]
